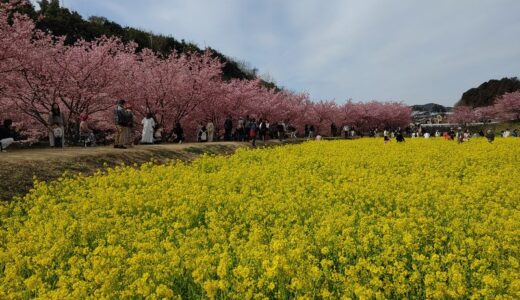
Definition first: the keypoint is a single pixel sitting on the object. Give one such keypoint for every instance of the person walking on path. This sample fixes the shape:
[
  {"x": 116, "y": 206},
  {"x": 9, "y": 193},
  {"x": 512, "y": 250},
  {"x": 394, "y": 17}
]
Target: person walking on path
[
  {"x": 158, "y": 134},
  {"x": 241, "y": 129},
  {"x": 120, "y": 122},
  {"x": 6, "y": 135},
  {"x": 148, "y": 129},
  {"x": 346, "y": 131},
  {"x": 333, "y": 129},
  {"x": 273, "y": 130},
  {"x": 311, "y": 131},
  {"x": 247, "y": 127},
  {"x": 199, "y": 131},
  {"x": 267, "y": 129},
  {"x": 281, "y": 131},
  {"x": 262, "y": 129},
  {"x": 129, "y": 128},
  {"x": 253, "y": 130},
  {"x": 179, "y": 133},
  {"x": 202, "y": 134},
  {"x": 56, "y": 123},
  {"x": 211, "y": 131},
  {"x": 386, "y": 136},
  {"x": 85, "y": 132},
  {"x": 228, "y": 128}
]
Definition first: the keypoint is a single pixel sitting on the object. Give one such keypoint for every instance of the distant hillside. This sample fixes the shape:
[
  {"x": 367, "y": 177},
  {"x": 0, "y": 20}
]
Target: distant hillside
[
  {"x": 431, "y": 108},
  {"x": 63, "y": 22},
  {"x": 486, "y": 93}
]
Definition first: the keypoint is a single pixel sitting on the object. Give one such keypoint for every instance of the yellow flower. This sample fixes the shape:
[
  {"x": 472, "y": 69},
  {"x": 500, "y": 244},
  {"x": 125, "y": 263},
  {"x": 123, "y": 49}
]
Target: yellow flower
[{"x": 339, "y": 219}]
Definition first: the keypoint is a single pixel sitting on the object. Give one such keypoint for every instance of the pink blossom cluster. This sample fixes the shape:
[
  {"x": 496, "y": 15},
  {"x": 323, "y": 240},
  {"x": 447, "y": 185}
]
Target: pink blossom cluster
[
  {"x": 38, "y": 69},
  {"x": 505, "y": 108}
]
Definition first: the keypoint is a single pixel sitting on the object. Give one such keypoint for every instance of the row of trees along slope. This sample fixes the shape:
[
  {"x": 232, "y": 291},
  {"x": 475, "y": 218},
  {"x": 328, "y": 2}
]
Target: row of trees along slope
[
  {"x": 497, "y": 100},
  {"x": 61, "y": 21},
  {"x": 86, "y": 75}
]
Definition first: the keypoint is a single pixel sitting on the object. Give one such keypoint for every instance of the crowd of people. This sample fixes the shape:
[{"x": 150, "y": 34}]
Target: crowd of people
[
  {"x": 452, "y": 134},
  {"x": 245, "y": 129}
]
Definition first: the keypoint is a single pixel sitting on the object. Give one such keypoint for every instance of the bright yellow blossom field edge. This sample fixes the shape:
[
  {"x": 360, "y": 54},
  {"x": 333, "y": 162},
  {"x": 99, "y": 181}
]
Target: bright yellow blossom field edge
[{"x": 331, "y": 219}]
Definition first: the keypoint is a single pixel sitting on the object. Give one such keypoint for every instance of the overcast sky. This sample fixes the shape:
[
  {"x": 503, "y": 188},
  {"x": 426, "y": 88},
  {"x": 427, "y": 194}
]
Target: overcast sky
[{"x": 408, "y": 50}]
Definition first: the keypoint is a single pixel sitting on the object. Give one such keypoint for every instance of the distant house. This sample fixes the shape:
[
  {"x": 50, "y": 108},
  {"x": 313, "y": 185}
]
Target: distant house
[{"x": 430, "y": 113}]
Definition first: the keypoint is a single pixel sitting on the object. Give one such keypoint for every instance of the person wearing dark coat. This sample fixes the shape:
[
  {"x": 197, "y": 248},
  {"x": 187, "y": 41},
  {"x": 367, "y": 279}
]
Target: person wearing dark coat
[
  {"x": 129, "y": 127},
  {"x": 333, "y": 130},
  {"x": 311, "y": 131},
  {"x": 281, "y": 132},
  {"x": 179, "y": 133},
  {"x": 399, "y": 137},
  {"x": 490, "y": 136},
  {"x": 7, "y": 135},
  {"x": 262, "y": 129},
  {"x": 120, "y": 122},
  {"x": 228, "y": 127},
  {"x": 451, "y": 134}
]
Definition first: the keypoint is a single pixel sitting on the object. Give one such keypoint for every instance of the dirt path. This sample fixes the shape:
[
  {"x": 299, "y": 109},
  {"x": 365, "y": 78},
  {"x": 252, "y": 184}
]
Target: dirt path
[
  {"x": 78, "y": 152},
  {"x": 19, "y": 167}
]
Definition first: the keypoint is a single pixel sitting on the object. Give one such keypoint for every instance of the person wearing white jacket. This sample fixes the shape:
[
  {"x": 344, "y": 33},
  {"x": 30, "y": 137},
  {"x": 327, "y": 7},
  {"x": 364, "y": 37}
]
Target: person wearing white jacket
[
  {"x": 148, "y": 129},
  {"x": 211, "y": 131}
]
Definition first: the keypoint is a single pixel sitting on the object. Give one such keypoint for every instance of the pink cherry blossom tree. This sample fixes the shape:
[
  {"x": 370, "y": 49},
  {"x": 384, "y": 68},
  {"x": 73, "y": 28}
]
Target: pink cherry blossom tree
[
  {"x": 20, "y": 45},
  {"x": 462, "y": 115},
  {"x": 174, "y": 87},
  {"x": 16, "y": 34},
  {"x": 485, "y": 114},
  {"x": 236, "y": 98},
  {"x": 507, "y": 107},
  {"x": 323, "y": 114},
  {"x": 87, "y": 77}
]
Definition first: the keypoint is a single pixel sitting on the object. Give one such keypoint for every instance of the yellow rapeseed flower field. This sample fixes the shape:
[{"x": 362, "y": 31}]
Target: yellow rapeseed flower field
[{"x": 336, "y": 220}]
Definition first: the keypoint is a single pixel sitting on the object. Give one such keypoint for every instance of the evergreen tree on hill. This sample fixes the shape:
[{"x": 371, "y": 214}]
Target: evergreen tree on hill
[{"x": 486, "y": 93}]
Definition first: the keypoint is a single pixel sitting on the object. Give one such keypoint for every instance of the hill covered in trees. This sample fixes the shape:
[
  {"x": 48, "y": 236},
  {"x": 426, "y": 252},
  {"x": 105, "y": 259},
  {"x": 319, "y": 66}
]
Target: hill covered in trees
[
  {"x": 60, "y": 21},
  {"x": 486, "y": 93}
]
